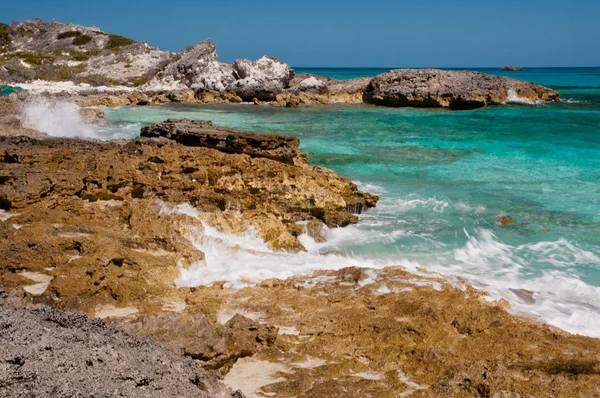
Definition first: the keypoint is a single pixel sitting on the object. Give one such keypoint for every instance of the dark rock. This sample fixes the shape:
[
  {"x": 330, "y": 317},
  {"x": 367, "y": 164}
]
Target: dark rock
[
  {"x": 515, "y": 68},
  {"x": 203, "y": 133}
]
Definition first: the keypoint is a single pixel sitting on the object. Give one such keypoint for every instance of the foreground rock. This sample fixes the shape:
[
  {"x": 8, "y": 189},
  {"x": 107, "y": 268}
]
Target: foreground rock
[
  {"x": 203, "y": 133},
  {"x": 431, "y": 88},
  {"x": 47, "y": 352},
  {"x": 389, "y": 333},
  {"x": 86, "y": 228}
]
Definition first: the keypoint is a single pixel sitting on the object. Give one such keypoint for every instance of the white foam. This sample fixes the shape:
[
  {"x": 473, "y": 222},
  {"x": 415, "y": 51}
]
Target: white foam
[
  {"x": 60, "y": 119},
  {"x": 513, "y": 97},
  {"x": 560, "y": 298}
]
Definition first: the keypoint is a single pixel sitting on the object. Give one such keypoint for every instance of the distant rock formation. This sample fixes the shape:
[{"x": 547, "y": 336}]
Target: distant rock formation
[
  {"x": 511, "y": 68},
  {"x": 126, "y": 72},
  {"x": 431, "y": 88}
]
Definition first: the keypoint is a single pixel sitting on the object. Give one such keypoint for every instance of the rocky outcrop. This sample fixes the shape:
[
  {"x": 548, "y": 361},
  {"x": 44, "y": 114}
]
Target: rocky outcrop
[
  {"x": 199, "y": 69},
  {"x": 47, "y": 352},
  {"x": 203, "y": 133},
  {"x": 262, "y": 79},
  {"x": 514, "y": 68},
  {"x": 431, "y": 88}
]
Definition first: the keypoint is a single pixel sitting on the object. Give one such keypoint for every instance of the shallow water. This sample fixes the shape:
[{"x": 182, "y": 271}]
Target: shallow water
[{"x": 443, "y": 178}]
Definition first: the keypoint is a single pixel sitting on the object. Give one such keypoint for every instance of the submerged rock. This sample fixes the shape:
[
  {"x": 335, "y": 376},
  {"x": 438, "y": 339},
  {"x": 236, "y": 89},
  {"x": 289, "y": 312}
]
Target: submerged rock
[
  {"x": 431, "y": 88},
  {"x": 203, "y": 133}
]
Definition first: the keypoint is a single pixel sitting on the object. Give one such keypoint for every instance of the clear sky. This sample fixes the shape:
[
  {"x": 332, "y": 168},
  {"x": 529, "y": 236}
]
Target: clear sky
[{"x": 368, "y": 33}]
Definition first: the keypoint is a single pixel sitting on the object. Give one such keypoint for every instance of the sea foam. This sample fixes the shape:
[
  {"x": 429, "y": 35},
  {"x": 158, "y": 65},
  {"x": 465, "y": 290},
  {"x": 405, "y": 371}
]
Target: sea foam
[{"x": 59, "y": 119}]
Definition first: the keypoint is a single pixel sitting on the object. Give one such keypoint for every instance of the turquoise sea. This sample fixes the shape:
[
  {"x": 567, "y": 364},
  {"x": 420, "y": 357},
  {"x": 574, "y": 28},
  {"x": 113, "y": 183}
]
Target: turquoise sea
[{"x": 445, "y": 176}]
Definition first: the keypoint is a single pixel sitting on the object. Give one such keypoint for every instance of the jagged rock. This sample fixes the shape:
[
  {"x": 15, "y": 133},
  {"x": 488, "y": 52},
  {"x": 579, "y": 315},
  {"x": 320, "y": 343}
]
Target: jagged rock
[
  {"x": 452, "y": 89},
  {"x": 203, "y": 133},
  {"x": 262, "y": 79},
  {"x": 199, "y": 69},
  {"x": 214, "y": 346},
  {"x": 46, "y": 352}
]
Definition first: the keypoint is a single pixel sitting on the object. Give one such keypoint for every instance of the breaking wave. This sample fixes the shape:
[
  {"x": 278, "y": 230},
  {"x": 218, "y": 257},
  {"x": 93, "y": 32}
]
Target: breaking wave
[{"x": 552, "y": 295}]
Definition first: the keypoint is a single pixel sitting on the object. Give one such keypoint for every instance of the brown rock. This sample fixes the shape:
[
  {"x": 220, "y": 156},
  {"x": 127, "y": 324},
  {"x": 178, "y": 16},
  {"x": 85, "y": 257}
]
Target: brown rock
[
  {"x": 203, "y": 133},
  {"x": 504, "y": 220}
]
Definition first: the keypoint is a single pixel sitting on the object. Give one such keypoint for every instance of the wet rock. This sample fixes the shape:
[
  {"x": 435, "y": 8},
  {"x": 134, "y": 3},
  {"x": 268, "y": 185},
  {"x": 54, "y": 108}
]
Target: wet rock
[
  {"x": 504, "y": 220},
  {"x": 514, "y": 68},
  {"x": 203, "y": 133},
  {"x": 92, "y": 115},
  {"x": 432, "y": 88}
]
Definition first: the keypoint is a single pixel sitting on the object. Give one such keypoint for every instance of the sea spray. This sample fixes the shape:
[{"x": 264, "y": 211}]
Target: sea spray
[{"x": 59, "y": 119}]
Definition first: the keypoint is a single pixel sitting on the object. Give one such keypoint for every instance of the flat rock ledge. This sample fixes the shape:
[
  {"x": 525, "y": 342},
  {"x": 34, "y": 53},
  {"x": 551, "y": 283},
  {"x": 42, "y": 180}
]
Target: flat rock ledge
[{"x": 202, "y": 133}]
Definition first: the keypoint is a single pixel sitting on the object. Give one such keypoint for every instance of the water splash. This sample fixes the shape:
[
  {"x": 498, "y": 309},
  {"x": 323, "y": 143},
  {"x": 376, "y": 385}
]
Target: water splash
[{"x": 59, "y": 119}]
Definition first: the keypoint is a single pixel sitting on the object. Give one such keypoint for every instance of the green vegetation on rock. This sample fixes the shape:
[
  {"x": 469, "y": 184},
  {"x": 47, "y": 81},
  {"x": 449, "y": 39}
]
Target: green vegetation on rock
[
  {"x": 67, "y": 34},
  {"x": 82, "y": 40},
  {"x": 4, "y": 34},
  {"x": 116, "y": 41}
]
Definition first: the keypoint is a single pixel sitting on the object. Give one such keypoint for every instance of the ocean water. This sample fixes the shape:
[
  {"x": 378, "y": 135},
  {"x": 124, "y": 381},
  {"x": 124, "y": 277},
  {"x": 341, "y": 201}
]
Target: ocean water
[{"x": 443, "y": 178}]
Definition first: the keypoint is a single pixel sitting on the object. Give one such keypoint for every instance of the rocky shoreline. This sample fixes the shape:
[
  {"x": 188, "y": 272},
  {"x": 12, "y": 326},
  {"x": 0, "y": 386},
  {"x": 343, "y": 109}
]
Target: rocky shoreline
[
  {"x": 111, "y": 229},
  {"x": 104, "y": 69},
  {"x": 108, "y": 228}
]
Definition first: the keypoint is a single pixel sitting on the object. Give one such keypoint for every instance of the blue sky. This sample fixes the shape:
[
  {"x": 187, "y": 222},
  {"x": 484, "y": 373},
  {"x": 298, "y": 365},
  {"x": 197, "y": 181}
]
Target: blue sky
[{"x": 450, "y": 33}]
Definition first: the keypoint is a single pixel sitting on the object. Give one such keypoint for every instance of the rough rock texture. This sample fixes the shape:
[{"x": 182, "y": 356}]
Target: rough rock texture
[
  {"x": 55, "y": 51},
  {"x": 214, "y": 346},
  {"x": 199, "y": 69},
  {"x": 203, "y": 133},
  {"x": 262, "y": 79},
  {"x": 86, "y": 228},
  {"x": 452, "y": 89},
  {"x": 389, "y": 333},
  {"x": 51, "y": 353}
]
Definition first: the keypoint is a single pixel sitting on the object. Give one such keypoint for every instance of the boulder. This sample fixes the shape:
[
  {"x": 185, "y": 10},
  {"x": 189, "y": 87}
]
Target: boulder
[
  {"x": 199, "y": 69},
  {"x": 262, "y": 79},
  {"x": 432, "y": 88},
  {"x": 203, "y": 133}
]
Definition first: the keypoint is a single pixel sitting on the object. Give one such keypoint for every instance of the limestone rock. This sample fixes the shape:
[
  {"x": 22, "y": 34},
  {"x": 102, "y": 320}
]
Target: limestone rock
[
  {"x": 199, "y": 69},
  {"x": 262, "y": 79},
  {"x": 452, "y": 89},
  {"x": 312, "y": 85},
  {"x": 203, "y": 133}
]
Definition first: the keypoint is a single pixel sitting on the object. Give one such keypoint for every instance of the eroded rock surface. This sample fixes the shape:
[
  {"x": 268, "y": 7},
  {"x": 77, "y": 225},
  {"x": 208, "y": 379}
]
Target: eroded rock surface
[
  {"x": 431, "y": 88},
  {"x": 50, "y": 353},
  {"x": 203, "y": 133}
]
